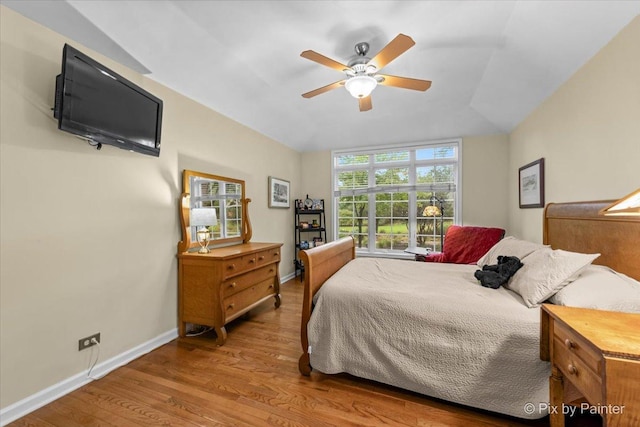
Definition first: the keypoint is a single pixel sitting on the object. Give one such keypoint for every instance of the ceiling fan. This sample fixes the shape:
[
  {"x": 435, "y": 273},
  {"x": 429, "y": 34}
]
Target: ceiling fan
[{"x": 362, "y": 72}]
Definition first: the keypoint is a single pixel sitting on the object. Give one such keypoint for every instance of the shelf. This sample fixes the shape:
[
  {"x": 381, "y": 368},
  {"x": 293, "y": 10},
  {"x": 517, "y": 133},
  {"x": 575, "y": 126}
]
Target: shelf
[
  {"x": 304, "y": 234},
  {"x": 309, "y": 211}
]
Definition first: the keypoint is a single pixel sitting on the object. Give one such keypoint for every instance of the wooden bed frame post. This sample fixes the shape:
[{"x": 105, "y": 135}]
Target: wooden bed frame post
[{"x": 319, "y": 264}]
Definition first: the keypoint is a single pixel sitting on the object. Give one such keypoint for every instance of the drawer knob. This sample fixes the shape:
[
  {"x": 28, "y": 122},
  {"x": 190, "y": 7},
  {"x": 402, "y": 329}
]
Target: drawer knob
[
  {"x": 233, "y": 285},
  {"x": 568, "y": 343},
  {"x": 572, "y": 369},
  {"x": 231, "y": 267},
  {"x": 261, "y": 257},
  {"x": 275, "y": 254},
  {"x": 252, "y": 260},
  {"x": 230, "y": 306}
]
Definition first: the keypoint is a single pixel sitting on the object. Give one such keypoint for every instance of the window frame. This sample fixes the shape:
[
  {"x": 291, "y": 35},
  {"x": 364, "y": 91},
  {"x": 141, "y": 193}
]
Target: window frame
[{"x": 412, "y": 163}]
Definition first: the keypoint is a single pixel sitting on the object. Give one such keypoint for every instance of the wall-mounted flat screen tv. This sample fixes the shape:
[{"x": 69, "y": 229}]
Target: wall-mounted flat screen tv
[{"x": 103, "y": 107}]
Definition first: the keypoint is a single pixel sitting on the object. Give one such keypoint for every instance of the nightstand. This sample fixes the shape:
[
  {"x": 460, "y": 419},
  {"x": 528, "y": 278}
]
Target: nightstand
[
  {"x": 420, "y": 253},
  {"x": 595, "y": 363}
]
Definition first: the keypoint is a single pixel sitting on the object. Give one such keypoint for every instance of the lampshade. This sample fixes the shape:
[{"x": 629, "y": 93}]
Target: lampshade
[
  {"x": 629, "y": 205},
  {"x": 203, "y": 217},
  {"x": 360, "y": 86},
  {"x": 431, "y": 211}
]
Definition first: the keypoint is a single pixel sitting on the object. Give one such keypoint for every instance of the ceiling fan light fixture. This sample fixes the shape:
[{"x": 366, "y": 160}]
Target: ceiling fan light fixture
[{"x": 361, "y": 86}]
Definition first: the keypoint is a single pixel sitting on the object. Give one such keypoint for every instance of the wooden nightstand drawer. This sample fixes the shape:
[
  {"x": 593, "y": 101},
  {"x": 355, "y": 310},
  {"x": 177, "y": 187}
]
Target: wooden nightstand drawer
[
  {"x": 242, "y": 282},
  {"x": 578, "y": 346},
  {"x": 577, "y": 371},
  {"x": 237, "y": 265},
  {"x": 241, "y": 300},
  {"x": 595, "y": 356}
]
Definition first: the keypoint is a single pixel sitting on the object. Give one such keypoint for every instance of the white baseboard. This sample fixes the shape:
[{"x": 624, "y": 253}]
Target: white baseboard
[
  {"x": 41, "y": 398},
  {"x": 56, "y": 391},
  {"x": 287, "y": 277}
]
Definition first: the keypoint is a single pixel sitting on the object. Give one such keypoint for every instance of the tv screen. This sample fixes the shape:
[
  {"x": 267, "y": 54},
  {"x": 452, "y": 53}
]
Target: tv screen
[{"x": 98, "y": 104}]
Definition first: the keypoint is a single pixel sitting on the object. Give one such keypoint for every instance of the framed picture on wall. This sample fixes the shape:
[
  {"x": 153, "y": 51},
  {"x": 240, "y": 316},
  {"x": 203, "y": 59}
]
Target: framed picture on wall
[
  {"x": 531, "y": 184},
  {"x": 278, "y": 193}
]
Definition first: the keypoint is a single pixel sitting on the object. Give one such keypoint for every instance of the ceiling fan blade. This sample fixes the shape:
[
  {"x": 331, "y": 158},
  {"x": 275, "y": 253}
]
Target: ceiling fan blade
[
  {"x": 323, "y": 60},
  {"x": 391, "y": 51},
  {"x": 365, "y": 103},
  {"x": 323, "y": 89},
  {"x": 404, "y": 82}
]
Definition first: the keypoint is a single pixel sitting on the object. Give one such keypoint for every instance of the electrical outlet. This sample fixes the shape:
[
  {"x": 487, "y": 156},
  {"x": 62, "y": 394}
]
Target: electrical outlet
[{"x": 86, "y": 342}]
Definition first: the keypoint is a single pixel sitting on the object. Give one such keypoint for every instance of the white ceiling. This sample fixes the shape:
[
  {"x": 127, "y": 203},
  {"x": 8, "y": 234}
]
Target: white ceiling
[{"x": 491, "y": 62}]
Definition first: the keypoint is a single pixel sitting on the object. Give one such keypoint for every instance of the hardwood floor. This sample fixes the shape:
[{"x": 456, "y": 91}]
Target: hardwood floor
[{"x": 252, "y": 380}]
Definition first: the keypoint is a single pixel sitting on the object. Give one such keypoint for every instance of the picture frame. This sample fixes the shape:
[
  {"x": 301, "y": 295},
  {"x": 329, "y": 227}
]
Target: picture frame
[
  {"x": 531, "y": 185},
  {"x": 279, "y": 191},
  {"x": 318, "y": 205}
]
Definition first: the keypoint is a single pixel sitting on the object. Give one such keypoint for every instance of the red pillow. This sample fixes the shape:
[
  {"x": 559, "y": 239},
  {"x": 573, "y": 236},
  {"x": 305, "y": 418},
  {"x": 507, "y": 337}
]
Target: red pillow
[
  {"x": 436, "y": 257},
  {"x": 465, "y": 244}
]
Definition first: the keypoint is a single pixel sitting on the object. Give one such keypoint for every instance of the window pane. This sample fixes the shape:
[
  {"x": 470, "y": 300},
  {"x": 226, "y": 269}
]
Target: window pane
[
  {"x": 353, "y": 179},
  {"x": 353, "y": 206},
  {"x": 353, "y": 215},
  {"x": 392, "y": 156},
  {"x": 233, "y": 188},
  {"x": 393, "y": 242},
  {"x": 436, "y": 174},
  {"x": 392, "y": 176},
  {"x": 233, "y": 215},
  {"x": 428, "y": 231},
  {"x": 362, "y": 240},
  {"x": 347, "y": 160},
  {"x": 425, "y": 175},
  {"x": 436, "y": 153},
  {"x": 392, "y": 221},
  {"x": 209, "y": 188}
]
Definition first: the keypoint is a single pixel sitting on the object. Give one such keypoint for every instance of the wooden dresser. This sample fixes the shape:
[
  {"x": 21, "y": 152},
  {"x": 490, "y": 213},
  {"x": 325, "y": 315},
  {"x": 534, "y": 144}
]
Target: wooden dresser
[
  {"x": 595, "y": 363},
  {"x": 219, "y": 286}
]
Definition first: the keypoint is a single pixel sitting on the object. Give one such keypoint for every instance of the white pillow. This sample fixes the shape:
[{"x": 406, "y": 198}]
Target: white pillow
[
  {"x": 509, "y": 246},
  {"x": 601, "y": 288},
  {"x": 545, "y": 272}
]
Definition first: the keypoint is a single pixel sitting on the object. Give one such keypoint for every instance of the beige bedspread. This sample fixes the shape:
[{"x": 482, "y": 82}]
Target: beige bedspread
[{"x": 430, "y": 328}]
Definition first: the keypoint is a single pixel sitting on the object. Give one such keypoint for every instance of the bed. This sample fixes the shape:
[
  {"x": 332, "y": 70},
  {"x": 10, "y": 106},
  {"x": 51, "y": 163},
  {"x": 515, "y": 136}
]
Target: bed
[{"x": 432, "y": 329}]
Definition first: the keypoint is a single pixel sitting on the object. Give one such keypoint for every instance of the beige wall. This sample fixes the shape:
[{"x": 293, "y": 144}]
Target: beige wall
[
  {"x": 587, "y": 131},
  {"x": 485, "y": 166},
  {"x": 316, "y": 182},
  {"x": 88, "y": 238}
]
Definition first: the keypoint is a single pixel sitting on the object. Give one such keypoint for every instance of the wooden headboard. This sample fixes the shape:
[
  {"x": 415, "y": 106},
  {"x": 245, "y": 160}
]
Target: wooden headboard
[{"x": 578, "y": 227}]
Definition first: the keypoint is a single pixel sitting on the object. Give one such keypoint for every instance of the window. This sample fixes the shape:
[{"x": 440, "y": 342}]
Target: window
[
  {"x": 380, "y": 195},
  {"x": 226, "y": 199}
]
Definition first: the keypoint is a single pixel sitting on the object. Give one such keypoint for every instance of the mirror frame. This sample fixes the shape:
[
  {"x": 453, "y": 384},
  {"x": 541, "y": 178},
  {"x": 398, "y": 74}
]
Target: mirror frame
[{"x": 185, "y": 208}]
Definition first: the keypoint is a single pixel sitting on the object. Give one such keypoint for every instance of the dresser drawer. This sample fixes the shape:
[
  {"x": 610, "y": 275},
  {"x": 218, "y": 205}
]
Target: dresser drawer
[
  {"x": 233, "y": 266},
  {"x": 241, "y": 300},
  {"x": 577, "y": 371},
  {"x": 241, "y": 282},
  {"x": 576, "y": 345},
  {"x": 268, "y": 256}
]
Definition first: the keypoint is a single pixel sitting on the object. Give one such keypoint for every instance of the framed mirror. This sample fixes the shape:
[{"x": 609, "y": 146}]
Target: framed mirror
[{"x": 213, "y": 211}]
